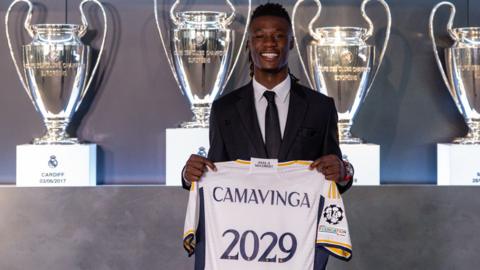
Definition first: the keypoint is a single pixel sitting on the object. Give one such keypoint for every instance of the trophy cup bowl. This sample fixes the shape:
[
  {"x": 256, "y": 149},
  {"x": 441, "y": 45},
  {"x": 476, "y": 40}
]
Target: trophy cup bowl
[
  {"x": 342, "y": 65},
  {"x": 200, "y": 56},
  {"x": 201, "y": 48},
  {"x": 56, "y": 67},
  {"x": 462, "y": 72}
]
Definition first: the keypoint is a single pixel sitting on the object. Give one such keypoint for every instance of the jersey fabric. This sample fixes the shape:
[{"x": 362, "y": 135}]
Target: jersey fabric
[{"x": 263, "y": 215}]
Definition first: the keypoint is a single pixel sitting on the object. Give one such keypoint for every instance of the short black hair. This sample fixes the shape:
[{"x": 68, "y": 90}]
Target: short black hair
[{"x": 271, "y": 9}]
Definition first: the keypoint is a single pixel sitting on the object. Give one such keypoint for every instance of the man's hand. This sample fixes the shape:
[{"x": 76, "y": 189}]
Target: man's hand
[
  {"x": 331, "y": 166},
  {"x": 196, "y": 166}
]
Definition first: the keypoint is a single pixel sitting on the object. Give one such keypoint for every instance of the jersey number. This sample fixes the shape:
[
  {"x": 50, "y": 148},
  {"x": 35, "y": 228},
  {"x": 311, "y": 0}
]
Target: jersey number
[{"x": 270, "y": 237}]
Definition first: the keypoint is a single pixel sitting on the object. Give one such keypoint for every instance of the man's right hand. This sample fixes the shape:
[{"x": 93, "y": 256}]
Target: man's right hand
[{"x": 196, "y": 166}]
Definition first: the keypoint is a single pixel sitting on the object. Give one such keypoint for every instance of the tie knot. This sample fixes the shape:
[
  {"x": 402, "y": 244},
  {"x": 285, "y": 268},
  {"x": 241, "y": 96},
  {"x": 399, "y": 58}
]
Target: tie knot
[{"x": 270, "y": 96}]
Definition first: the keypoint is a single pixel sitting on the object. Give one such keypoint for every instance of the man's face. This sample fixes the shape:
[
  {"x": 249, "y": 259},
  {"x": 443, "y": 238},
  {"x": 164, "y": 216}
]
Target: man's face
[{"x": 270, "y": 40}]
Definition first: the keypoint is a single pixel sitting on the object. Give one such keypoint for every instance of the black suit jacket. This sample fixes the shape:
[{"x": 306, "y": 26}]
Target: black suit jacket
[{"x": 311, "y": 130}]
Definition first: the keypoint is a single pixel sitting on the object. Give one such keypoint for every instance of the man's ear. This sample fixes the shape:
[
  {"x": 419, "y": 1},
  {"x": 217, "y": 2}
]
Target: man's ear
[{"x": 292, "y": 42}]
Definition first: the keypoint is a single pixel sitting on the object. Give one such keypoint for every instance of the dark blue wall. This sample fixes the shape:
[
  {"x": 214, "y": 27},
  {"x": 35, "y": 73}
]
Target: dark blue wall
[{"x": 135, "y": 97}]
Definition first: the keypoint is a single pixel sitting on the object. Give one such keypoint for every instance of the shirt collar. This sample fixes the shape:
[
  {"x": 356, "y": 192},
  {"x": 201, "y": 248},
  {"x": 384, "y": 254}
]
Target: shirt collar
[{"x": 282, "y": 89}]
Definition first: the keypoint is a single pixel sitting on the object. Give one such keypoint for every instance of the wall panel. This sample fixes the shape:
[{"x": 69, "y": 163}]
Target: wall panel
[{"x": 134, "y": 97}]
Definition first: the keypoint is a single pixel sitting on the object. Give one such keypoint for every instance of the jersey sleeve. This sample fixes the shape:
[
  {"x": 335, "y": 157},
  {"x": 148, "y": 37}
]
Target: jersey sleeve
[
  {"x": 332, "y": 232},
  {"x": 191, "y": 220}
]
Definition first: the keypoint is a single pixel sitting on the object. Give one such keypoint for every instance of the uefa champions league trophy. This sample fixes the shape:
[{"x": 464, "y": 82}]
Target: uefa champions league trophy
[
  {"x": 200, "y": 56},
  {"x": 55, "y": 71},
  {"x": 462, "y": 74},
  {"x": 342, "y": 65}
]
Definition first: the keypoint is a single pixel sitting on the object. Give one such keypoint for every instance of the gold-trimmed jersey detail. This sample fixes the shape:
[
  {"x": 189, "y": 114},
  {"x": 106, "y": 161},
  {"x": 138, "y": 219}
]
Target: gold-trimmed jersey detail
[
  {"x": 192, "y": 186},
  {"x": 333, "y": 192},
  {"x": 280, "y": 164},
  {"x": 188, "y": 233},
  {"x": 340, "y": 252},
  {"x": 324, "y": 241},
  {"x": 189, "y": 243}
]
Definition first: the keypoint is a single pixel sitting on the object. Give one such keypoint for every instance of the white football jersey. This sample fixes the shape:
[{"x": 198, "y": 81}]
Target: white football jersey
[{"x": 263, "y": 215}]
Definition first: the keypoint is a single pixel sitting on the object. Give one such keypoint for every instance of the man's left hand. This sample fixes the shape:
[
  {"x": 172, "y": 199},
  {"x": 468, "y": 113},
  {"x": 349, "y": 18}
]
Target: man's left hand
[{"x": 331, "y": 166}]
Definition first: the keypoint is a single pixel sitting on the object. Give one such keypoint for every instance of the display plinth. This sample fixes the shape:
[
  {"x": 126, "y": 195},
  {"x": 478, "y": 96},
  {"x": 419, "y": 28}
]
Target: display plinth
[
  {"x": 56, "y": 165},
  {"x": 365, "y": 159},
  {"x": 181, "y": 143},
  {"x": 458, "y": 164}
]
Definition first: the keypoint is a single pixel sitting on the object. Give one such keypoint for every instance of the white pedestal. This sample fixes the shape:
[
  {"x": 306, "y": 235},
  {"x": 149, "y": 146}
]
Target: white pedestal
[
  {"x": 56, "y": 165},
  {"x": 458, "y": 164},
  {"x": 365, "y": 159},
  {"x": 181, "y": 143}
]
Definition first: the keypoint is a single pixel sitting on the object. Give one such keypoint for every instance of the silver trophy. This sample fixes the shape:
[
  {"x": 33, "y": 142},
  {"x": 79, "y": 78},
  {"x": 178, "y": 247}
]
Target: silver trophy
[
  {"x": 55, "y": 73},
  {"x": 342, "y": 65},
  {"x": 462, "y": 76},
  {"x": 200, "y": 56}
]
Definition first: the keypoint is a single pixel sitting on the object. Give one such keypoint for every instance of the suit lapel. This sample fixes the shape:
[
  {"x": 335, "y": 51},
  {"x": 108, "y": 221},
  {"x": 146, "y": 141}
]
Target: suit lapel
[
  {"x": 246, "y": 109},
  {"x": 296, "y": 111}
]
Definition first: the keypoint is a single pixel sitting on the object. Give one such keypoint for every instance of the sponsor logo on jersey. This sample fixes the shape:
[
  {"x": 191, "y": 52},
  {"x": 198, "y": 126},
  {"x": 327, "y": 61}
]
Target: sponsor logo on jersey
[{"x": 332, "y": 230}]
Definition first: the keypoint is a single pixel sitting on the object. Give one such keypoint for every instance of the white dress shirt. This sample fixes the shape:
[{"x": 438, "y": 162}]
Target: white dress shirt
[{"x": 282, "y": 99}]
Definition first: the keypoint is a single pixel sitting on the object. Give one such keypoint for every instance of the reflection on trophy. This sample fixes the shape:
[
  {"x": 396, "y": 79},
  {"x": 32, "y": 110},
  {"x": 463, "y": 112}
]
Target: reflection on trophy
[
  {"x": 201, "y": 48},
  {"x": 55, "y": 74},
  {"x": 462, "y": 61},
  {"x": 342, "y": 65}
]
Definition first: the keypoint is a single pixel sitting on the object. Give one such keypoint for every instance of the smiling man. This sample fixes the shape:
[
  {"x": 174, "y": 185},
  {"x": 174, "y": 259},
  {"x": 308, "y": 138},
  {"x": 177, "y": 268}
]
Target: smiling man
[{"x": 274, "y": 116}]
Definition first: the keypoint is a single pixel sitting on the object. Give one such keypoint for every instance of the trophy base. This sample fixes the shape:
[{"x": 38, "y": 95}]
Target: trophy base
[
  {"x": 345, "y": 136},
  {"x": 473, "y": 135},
  {"x": 201, "y": 112},
  {"x": 194, "y": 124},
  {"x": 56, "y": 133},
  {"x": 457, "y": 165},
  {"x": 47, "y": 140},
  {"x": 180, "y": 144},
  {"x": 365, "y": 159},
  {"x": 350, "y": 140},
  {"x": 56, "y": 165}
]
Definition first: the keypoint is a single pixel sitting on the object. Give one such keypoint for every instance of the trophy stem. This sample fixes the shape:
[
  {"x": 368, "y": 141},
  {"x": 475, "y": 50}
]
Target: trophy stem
[
  {"x": 201, "y": 114},
  {"x": 473, "y": 135},
  {"x": 56, "y": 133},
  {"x": 344, "y": 133}
]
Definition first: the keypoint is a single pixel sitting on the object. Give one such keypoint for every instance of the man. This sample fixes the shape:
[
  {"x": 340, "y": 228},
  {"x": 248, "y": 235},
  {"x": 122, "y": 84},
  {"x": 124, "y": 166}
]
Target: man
[{"x": 273, "y": 116}]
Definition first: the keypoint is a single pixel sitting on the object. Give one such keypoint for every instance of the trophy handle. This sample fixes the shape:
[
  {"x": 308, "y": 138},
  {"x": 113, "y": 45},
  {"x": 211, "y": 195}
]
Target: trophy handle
[
  {"x": 312, "y": 33},
  {"x": 29, "y": 29},
  {"x": 434, "y": 44},
  {"x": 370, "y": 32},
  {"x": 83, "y": 31},
  {"x": 173, "y": 17},
  {"x": 167, "y": 54},
  {"x": 229, "y": 20}
]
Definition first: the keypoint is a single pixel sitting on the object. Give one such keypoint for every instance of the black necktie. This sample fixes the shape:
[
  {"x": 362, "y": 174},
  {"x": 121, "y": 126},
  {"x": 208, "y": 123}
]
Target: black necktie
[{"x": 273, "y": 135}]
